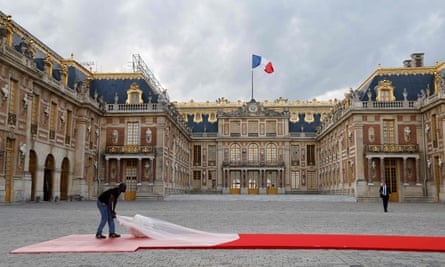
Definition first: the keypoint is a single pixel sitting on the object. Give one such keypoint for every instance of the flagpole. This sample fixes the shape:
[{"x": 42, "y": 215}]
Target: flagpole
[{"x": 252, "y": 86}]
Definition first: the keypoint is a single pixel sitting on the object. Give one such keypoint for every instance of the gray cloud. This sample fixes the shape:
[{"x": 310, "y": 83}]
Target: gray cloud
[{"x": 201, "y": 50}]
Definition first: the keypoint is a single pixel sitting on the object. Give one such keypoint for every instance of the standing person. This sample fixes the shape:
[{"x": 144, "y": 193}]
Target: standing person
[
  {"x": 385, "y": 192},
  {"x": 106, "y": 203}
]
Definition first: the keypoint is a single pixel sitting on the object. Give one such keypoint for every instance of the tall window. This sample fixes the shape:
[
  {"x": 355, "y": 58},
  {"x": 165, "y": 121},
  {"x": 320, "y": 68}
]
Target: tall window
[
  {"x": 294, "y": 155},
  {"x": 12, "y": 102},
  {"x": 197, "y": 155},
  {"x": 133, "y": 133},
  {"x": 271, "y": 152},
  {"x": 235, "y": 152},
  {"x": 211, "y": 155},
  {"x": 310, "y": 155},
  {"x": 35, "y": 114},
  {"x": 68, "y": 126},
  {"x": 388, "y": 132},
  {"x": 434, "y": 130},
  {"x": 253, "y": 153},
  {"x": 52, "y": 121}
]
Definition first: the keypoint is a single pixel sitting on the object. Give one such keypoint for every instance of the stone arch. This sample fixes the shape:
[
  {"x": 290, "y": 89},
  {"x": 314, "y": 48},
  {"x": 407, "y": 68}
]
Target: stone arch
[
  {"x": 64, "y": 179},
  {"x": 48, "y": 178}
]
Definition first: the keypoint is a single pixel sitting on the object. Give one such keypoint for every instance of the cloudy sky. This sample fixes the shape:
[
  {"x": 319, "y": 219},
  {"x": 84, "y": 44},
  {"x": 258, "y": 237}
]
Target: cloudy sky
[{"x": 201, "y": 49}]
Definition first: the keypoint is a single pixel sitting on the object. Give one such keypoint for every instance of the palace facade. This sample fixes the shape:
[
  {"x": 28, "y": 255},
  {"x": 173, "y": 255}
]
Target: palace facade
[{"x": 67, "y": 132}]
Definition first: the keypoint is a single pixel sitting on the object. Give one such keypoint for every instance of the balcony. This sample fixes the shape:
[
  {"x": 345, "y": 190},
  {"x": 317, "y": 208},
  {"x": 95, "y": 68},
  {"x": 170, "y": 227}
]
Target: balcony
[
  {"x": 129, "y": 149},
  {"x": 129, "y": 108},
  {"x": 272, "y": 163},
  {"x": 392, "y": 148}
]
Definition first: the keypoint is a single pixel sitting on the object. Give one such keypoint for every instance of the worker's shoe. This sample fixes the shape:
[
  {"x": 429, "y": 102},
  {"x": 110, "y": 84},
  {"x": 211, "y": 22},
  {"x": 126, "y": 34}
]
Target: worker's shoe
[
  {"x": 114, "y": 235},
  {"x": 100, "y": 236}
]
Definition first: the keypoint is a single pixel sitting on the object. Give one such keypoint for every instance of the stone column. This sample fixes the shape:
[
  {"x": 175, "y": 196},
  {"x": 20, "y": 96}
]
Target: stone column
[
  {"x": 139, "y": 172},
  {"x": 369, "y": 171},
  {"x": 382, "y": 169},
  {"x": 418, "y": 172},
  {"x": 107, "y": 171},
  {"x": 405, "y": 172}
]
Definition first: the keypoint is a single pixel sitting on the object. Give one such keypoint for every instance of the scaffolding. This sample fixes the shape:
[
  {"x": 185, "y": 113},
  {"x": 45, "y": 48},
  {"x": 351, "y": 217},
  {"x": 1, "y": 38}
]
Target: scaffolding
[{"x": 140, "y": 66}]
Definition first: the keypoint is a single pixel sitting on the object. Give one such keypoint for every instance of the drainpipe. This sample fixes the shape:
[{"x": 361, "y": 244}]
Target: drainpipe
[{"x": 425, "y": 179}]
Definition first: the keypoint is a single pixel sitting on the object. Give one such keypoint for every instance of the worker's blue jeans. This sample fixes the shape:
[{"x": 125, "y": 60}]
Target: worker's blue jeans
[{"x": 105, "y": 216}]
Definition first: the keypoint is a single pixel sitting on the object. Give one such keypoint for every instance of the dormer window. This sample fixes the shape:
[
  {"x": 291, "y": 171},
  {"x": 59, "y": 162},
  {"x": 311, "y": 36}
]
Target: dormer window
[
  {"x": 385, "y": 91},
  {"x": 134, "y": 95}
]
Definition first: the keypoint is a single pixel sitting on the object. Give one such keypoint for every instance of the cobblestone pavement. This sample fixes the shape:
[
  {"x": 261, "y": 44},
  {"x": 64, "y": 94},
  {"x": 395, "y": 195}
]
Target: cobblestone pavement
[{"x": 23, "y": 224}]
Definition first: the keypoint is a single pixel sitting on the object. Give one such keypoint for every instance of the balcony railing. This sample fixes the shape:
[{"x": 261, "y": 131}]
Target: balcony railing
[
  {"x": 242, "y": 163},
  {"x": 129, "y": 149},
  {"x": 392, "y": 148},
  {"x": 132, "y": 108}
]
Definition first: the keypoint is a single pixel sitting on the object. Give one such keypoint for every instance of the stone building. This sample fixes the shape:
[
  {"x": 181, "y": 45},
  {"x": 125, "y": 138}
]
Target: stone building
[{"x": 69, "y": 132}]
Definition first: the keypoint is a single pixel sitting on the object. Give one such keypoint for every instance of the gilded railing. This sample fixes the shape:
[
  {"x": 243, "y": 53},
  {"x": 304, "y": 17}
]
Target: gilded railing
[
  {"x": 243, "y": 163},
  {"x": 129, "y": 149},
  {"x": 391, "y": 148}
]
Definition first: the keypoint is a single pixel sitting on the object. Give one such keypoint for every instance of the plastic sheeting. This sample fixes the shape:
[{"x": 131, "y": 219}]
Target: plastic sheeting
[{"x": 141, "y": 226}]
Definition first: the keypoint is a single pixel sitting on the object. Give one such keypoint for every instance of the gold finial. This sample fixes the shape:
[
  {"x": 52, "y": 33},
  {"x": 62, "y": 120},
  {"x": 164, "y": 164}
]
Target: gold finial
[
  {"x": 379, "y": 66},
  {"x": 72, "y": 55}
]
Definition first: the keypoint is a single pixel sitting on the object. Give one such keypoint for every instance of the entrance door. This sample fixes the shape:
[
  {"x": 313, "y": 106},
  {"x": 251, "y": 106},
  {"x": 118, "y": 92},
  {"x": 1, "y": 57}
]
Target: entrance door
[
  {"x": 253, "y": 182},
  {"x": 235, "y": 182},
  {"x": 271, "y": 182},
  {"x": 64, "y": 180},
  {"x": 9, "y": 167},
  {"x": 437, "y": 177},
  {"x": 131, "y": 180},
  {"x": 33, "y": 171},
  {"x": 391, "y": 178}
]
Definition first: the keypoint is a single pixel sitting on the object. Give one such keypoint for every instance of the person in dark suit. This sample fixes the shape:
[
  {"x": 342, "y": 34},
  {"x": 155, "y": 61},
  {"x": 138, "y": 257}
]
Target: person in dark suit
[{"x": 385, "y": 192}]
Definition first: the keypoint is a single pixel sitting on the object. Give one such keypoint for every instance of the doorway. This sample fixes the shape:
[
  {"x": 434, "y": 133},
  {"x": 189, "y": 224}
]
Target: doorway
[
  {"x": 391, "y": 178},
  {"x": 64, "y": 180}
]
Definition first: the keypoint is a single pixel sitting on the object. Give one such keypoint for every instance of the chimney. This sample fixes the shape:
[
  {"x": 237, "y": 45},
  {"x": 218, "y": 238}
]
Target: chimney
[
  {"x": 417, "y": 59},
  {"x": 407, "y": 63}
]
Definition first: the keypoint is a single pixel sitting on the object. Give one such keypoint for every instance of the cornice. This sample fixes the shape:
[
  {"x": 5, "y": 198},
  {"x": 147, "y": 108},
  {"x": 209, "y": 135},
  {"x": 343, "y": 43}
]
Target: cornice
[{"x": 117, "y": 76}]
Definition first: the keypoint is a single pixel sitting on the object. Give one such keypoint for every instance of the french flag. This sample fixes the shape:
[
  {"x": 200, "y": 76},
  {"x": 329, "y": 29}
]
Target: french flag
[{"x": 259, "y": 60}]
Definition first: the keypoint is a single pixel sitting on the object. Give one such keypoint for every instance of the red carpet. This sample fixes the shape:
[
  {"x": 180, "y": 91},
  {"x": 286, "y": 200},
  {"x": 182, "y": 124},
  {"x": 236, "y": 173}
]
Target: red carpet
[{"x": 128, "y": 243}]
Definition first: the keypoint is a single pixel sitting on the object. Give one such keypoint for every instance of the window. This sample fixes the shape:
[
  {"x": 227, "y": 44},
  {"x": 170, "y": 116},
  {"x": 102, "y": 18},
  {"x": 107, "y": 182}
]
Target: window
[
  {"x": 271, "y": 128},
  {"x": 197, "y": 155},
  {"x": 295, "y": 179},
  {"x": 294, "y": 155},
  {"x": 53, "y": 121},
  {"x": 434, "y": 130},
  {"x": 253, "y": 153},
  {"x": 253, "y": 128},
  {"x": 235, "y": 152},
  {"x": 68, "y": 126},
  {"x": 211, "y": 155},
  {"x": 133, "y": 133},
  {"x": 134, "y": 94},
  {"x": 235, "y": 128},
  {"x": 388, "y": 132},
  {"x": 12, "y": 99},
  {"x": 271, "y": 152},
  {"x": 310, "y": 155},
  {"x": 35, "y": 114}
]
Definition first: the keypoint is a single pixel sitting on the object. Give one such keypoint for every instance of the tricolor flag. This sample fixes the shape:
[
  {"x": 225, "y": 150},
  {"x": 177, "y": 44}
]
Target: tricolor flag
[{"x": 259, "y": 60}]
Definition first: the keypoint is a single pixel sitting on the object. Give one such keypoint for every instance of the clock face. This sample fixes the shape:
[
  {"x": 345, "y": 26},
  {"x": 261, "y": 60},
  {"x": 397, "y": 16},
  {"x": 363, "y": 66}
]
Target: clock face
[{"x": 253, "y": 108}]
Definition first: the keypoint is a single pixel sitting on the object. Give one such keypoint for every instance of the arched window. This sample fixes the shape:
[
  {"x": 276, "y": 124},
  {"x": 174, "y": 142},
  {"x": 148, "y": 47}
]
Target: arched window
[
  {"x": 271, "y": 152},
  {"x": 235, "y": 152},
  {"x": 253, "y": 152}
]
